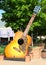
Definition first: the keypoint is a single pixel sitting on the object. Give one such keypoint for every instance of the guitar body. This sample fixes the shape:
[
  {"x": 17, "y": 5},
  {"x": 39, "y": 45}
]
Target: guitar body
[{"x": 12, "y": 50}]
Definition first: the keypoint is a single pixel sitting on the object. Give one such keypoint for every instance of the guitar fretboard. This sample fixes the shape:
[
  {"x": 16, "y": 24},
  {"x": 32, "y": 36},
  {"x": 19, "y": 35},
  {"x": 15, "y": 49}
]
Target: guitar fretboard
[{"x": 29, "y": 24}]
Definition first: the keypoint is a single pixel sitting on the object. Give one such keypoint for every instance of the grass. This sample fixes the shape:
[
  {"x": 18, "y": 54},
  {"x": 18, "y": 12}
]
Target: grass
[{"x": 2, "y": 47}]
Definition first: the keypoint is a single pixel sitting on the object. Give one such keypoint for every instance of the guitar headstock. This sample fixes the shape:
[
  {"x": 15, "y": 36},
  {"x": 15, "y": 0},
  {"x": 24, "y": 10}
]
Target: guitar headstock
[{"x": 37, "y": 9}]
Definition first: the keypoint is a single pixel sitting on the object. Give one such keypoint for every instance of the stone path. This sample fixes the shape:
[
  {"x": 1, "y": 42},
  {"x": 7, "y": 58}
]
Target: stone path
[{"x": 32, "y": 62}]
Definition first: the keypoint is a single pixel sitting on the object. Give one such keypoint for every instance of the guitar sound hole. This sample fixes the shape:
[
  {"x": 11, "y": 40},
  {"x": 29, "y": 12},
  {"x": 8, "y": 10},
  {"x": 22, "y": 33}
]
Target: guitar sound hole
[{"x": 20, "y": 41}]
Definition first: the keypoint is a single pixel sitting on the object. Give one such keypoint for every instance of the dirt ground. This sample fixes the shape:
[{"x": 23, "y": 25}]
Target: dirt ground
[{"x": 32, "y": 62}]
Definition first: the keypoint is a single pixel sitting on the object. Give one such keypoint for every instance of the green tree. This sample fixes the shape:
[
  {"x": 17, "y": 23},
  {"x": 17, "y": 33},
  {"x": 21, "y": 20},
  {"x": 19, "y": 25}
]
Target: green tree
[
  {"x": 1, "y": 4},
  {"x": 18, "y": 13},
  {"x": 39, "y": 26}
]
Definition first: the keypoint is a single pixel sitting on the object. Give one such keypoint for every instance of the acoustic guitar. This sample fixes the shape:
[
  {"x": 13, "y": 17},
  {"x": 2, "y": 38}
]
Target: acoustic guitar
[{"x": 18, "y": 48}]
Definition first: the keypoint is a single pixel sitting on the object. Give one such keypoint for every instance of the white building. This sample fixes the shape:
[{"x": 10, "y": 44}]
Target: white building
[{"x": 6, "y": 32}]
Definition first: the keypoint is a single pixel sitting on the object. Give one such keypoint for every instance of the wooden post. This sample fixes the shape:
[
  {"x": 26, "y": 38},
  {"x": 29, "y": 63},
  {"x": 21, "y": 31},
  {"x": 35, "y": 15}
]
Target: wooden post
[
  {"x": 27, "y": 58},
  {"x": 1, "y": 57}
]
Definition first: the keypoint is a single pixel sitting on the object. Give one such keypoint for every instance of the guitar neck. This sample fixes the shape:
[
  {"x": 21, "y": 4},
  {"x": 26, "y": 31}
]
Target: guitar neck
[{"x": 29, "y": 24}]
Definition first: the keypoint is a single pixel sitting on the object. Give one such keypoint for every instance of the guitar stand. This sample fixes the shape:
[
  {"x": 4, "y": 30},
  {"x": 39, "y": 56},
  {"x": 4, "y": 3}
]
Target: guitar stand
[
  {"x": 26, "y": 59},
  {"x": 15, "y": 59}
]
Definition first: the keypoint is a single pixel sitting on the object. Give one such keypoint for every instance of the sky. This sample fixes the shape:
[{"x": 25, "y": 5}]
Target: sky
[{"x": 1, "y": 23}]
